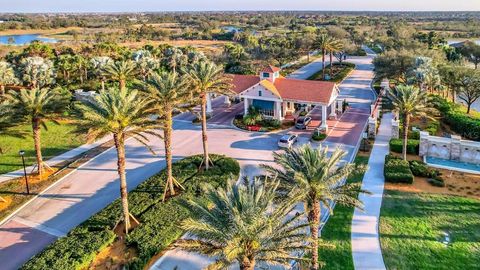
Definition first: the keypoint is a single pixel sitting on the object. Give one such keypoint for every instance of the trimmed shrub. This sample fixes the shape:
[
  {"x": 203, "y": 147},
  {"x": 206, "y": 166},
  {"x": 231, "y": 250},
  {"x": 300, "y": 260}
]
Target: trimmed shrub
[
  {"x": 420, "y": 169},
  {"x": 319, "y": 136},
  {"x": 397, "y": 170},
  {"x": 158, "y": 220},
  {"x": 436, "y": 182},
  {"x": 413, "y": 146}
]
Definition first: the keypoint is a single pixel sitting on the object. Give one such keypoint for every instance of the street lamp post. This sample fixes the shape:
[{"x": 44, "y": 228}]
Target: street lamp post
[{"x": 22, "y": 154}]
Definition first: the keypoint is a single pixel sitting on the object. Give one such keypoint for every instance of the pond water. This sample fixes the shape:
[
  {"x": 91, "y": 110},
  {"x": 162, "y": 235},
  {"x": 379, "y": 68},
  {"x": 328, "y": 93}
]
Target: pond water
[
  {"x": 451, "y": 41},
  {"x": 24, "y": 39},
  {"x": 453, "y": 165}
]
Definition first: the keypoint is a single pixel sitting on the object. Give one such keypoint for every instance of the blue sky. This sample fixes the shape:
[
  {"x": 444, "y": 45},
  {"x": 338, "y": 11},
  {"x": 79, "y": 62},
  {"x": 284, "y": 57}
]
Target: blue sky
[{"x": 202, "y": 5}]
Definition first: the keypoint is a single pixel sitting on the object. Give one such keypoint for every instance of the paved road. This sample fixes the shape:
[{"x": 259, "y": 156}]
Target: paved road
[{"x": 366, "y": 250}]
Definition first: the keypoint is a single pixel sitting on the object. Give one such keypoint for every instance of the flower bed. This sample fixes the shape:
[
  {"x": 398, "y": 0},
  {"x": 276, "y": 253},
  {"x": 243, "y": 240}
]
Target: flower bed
[
  {"x": 158, "y": 226},
  {"x": 266, "y": 125}
]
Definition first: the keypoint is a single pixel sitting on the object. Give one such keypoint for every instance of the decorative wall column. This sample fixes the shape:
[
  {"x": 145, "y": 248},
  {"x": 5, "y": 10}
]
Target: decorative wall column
[
  {"x": 395, "y": 129},
  {"x": 278, "y": 111},
  {"x": 324, "y": 125},
  {"x": 227, "y": 101},
  {"x": 423, "y": 149},
  {"x": 333, "y": 110},
  {"x": 372, "y": 127},
  {"x": 455, "y": 151},
  {"x": 209, "y": 104},
  {"x": 245, "y": 106}
]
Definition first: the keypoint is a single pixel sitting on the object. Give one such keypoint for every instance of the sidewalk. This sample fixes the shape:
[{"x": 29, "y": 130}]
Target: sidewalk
[
  {"x": 366, "y": 250},
  {"x": 57, "y": 159}
]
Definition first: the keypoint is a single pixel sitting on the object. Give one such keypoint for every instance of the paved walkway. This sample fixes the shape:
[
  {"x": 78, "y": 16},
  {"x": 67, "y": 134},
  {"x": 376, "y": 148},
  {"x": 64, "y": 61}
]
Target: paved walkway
[{"x": 366, "y": 250}]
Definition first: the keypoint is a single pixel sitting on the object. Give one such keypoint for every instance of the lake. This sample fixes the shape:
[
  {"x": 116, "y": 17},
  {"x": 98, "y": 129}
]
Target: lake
[
  {"x": 24, "y": 39},
  {"x": 451, "y": 41}
]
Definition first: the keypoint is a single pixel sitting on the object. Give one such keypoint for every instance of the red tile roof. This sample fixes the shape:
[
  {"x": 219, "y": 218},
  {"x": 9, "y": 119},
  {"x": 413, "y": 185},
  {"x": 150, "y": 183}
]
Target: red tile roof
[
  {"x": 243, "y": 82},
  {"x": 290, "y": 89},
  {"x": 271, "y": 69}
]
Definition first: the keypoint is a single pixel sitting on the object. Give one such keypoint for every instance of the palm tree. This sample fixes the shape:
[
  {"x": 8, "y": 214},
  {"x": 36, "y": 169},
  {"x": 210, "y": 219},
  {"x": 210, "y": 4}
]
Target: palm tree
[
  {"x": 121, "y": 71},
  {"x": 208, "y": 78},
  {"x": 323, "y": 43},
  {"x": 7, "y": 76},
  {"x": 408, "y": 101},
  {"x": 320, "y": 180},
  {"x": 123, "y": 114},
  {"x": 36, "y": 106},
  {"x": 334, "y": 47},
  {"x": 168, "y": 92},
  {"x": 243, "y": 224}
]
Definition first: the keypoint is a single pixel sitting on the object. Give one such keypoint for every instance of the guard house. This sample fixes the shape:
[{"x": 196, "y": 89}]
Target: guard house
[{"x": 278, "y": 97}]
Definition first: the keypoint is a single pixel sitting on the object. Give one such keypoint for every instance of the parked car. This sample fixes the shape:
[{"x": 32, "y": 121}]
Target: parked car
[
  {"x": 302, "y": 122},
  {"x": 287, "y": 140}
]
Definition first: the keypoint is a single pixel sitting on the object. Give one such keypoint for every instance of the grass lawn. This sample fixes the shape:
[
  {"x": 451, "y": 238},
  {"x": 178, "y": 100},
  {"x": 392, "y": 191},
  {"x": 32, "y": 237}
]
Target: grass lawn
[
  {"x": 58, "y": 139},
  {"x": 337, "y": 232},
  {"x": 412, "y": 226}
]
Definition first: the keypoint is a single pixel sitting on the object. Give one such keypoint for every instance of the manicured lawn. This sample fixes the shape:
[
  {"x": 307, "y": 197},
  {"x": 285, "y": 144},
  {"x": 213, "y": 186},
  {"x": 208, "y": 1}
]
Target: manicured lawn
[
  {"x": 412, "y": 227},
  {"x": 58, "y": 139},
  {"x": 337, "y": 232}
]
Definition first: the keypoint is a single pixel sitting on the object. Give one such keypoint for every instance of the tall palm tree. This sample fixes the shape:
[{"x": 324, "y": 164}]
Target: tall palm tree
[
  {"x": 208, "y": 78},
  {"x": 121, "y": 71},
  {"x": 7, "y": 76},
  {"x": 408, "y": 101},
  {"x": 318, "y": 177},
  {"x": 243, "y": 224},
  {"x": 123, "y": 114},
  {"x": 334, "y": 47},
  {"x": 168, "y": 91},
  {"x": 323, "y": 43},
  {"x": 36, "y": 106}
]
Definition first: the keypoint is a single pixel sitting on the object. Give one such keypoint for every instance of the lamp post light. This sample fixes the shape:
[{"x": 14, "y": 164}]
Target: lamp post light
[{"x": 22, "y": 154}]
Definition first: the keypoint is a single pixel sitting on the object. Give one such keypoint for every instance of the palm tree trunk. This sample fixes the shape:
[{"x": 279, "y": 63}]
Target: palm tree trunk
[
  {"x": 2, "y": 90},
  {"x": 247, "y": 263},
  {"x": 331, "y": 65},
  {"x": 314, "y": 219},
  {"x": 120, "y": 146},
  {"x": 167, "y": 139},
  {"x": 122, "y": 84},
  {"x": 38, "y": 146},
  {"x": 206, "y": 159},
  {"x": 103, "y": 84},
  {"x": 406, "y": 123},
  {"x": 323, "y": 64}
]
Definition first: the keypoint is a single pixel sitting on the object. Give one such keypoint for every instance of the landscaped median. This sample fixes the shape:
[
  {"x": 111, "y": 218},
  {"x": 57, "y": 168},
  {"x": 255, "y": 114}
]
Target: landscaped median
[
  {"x": 158, "y": 220},
  {"x": 339, "y": 72}
]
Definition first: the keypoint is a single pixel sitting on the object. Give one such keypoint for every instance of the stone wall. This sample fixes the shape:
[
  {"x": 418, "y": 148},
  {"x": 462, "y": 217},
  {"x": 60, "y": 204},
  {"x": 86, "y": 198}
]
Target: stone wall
[{"x": 453, "y": 148}]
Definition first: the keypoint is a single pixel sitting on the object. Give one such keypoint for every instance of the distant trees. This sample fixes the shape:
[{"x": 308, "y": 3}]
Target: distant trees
[{"x": 471, "y": 51}]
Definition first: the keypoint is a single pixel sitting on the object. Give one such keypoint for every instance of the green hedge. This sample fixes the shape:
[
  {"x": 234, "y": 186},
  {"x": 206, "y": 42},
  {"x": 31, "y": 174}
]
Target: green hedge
[
  {"x": 397, "y": 170},
  {"x": 419, "y": 168},
  {"x": 158, "y": 220},
  {"x": 453, "y": 115},
  {"x": 413, "y": 146}
]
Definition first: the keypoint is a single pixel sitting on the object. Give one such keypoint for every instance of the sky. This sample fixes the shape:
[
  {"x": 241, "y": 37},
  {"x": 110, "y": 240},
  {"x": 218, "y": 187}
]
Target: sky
[{"x": 215, "y": 5}]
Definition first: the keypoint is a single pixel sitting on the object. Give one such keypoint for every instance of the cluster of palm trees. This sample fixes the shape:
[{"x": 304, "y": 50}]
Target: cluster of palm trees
[
  {"x": 259, "y": 222},
  {"x": 327, "y": 44}
]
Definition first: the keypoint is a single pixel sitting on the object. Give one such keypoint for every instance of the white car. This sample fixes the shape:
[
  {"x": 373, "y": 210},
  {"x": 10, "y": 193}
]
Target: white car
[{"x": 287, "y": 140}]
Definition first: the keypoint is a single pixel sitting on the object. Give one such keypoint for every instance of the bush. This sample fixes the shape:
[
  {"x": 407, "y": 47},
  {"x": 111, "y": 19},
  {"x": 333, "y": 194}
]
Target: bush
[
  {"x": 397, "y": 170},
  {"x": 436, "y": 182},
  {"x": 463, "y": 124},
  {"x": 158, "y": 220},
  {"x": 413, "y": 146},
  {"x": 420, "y": 169},
  {"x": 319, "y": 136}
]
